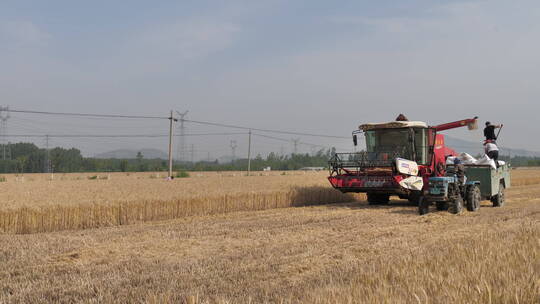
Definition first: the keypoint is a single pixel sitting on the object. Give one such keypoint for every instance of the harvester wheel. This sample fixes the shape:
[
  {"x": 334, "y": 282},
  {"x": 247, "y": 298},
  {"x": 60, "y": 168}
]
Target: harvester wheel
[
  {"x": 498, "y": 200},
  {"x": 372, "y": 199},
  {"x": 414, "y": 197},
  {"x": 423, "y": 206},
  {"x": 473, "y": 199},
  {"x": 377, "y": 199},
  {"x": 442, "y": 206},
  {"x": 456, "y": 205},
  {"x": 384, "y": 199}
]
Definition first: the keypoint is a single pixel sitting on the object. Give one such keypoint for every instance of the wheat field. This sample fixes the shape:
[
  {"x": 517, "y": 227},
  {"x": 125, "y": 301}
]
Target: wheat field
[
  {"x": 39, "y": 203},
  {"x": 310, "y": 252}
]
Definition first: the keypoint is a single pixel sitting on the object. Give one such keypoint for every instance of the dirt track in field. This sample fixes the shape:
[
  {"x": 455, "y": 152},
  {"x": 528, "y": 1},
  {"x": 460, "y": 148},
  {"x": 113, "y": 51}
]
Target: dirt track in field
[{"x": 261, "y": 256}]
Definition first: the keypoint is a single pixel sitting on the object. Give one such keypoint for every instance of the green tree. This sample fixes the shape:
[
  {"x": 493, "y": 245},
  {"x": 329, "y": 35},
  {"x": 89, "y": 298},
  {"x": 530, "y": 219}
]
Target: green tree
[
  {"x": 124, "y": 165},
  {"x": 21, "y": 163}
]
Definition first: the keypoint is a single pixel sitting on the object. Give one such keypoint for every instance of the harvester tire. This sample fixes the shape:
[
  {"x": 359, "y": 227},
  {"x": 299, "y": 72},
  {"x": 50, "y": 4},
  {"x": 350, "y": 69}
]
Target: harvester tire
[
  {"x": 378, "y": 199},
  {"x": 456, "y": 205},
  {"x": 414, "y": 197},
  {"x": 441, "y": 206},
  {"x": 423, "y": 206},
  {"x": 473, "y": 199},
  {"x": 498, "y": 200},
  {"x": 384, "y": 199},
  {"x": 372, "y": 199}
]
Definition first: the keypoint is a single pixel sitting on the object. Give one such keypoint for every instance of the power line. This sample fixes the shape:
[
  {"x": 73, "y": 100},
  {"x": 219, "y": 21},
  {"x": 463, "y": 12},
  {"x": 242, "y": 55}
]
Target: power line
[
  {"x": 289, "y": 140},
  {"x": 89, "y": 115},
  {"x": 86, "y": 122},
  {"x": 117, "y": 135},
  {"x": 211, "y": 134},
  {"x": 262, "y": 130},
  {"x": 185, "y": 120}
]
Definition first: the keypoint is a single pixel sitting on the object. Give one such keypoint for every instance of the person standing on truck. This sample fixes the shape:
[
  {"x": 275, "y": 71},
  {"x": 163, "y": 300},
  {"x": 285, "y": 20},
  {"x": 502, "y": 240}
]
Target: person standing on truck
[
  {"x": 489, "y": 131},
  {"x": 492, "y": 151}
]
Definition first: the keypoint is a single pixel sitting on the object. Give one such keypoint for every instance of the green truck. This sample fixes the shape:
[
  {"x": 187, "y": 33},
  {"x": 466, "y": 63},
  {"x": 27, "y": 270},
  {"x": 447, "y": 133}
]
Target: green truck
[{"x": 483, "y": 182}]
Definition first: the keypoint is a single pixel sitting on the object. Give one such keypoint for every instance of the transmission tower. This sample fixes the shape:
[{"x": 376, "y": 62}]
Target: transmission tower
[
  {"x": 233, "y": 148},
  {"x": 4, "y": 116},
  {"x": 181, "y": 151},
  {"x": 295, "y": 143}
]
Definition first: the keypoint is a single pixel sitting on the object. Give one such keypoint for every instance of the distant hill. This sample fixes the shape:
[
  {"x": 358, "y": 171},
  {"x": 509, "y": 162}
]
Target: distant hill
[
  {"x": 130, "y": 154},
  {"x": 474, "y": 148},
  {"x": 459, "y": 145}
]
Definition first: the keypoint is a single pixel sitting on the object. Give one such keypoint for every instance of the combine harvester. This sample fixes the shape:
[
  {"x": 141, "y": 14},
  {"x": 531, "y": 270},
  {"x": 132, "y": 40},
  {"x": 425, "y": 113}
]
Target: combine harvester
[{"x": 402, "y": 157}]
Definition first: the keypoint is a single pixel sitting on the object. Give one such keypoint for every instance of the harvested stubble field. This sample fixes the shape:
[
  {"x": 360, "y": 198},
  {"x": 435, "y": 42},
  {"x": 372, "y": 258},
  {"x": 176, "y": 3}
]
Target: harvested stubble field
[{"x": 336, "y": 253}]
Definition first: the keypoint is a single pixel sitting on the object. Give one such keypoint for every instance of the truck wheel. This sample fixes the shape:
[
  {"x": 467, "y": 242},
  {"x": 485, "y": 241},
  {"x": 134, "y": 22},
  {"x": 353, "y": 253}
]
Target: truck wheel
[
  {"x": 414, "y": 197},
  {"x": 456, "y": 205},
  {"x": 423, "y": 206},
  {"x": 473, "y": 199},
  {"x": 442, "y": 206},
  {"x": 498, "y": 200}
]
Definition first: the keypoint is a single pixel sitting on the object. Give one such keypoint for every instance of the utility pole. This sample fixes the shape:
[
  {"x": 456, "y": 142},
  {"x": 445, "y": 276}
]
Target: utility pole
[
  {"x": 181, "y": 153},
  {"x": 4, "y": 116},
  {"x": 249, "y": 153},
  {"x": 233, "y": 148},
  {"x": 47, "y": 155},
  {"x": 171, "y": 121},
  {"x": 192, "y": 153}
]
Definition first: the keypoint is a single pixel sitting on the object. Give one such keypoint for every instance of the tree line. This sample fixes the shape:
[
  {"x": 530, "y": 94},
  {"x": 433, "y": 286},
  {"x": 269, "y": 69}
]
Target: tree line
[{"x": 28, "y": 158}]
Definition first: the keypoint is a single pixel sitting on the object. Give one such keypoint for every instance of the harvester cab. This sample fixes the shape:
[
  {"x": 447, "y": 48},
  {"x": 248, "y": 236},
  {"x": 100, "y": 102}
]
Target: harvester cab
[{"x": 398, "y": 159}]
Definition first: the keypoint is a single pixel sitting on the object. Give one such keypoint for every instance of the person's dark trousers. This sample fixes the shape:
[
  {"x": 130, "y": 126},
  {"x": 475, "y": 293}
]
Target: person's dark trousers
[{"x": 495, "y": 156}]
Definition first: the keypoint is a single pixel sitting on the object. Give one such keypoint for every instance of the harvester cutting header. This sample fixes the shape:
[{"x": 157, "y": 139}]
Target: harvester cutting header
[{"x": 399, "y": 158}]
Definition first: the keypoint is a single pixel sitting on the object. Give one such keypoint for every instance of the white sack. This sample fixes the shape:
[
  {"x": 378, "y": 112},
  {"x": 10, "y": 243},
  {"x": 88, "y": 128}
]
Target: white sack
[
  {"x": 467, "y": 159},
  {"x": 502, "y": 163},
  {"x": 485, "y": 160},
  {"x": 450, "y": 160},
  {"x": 412, "y": 183}
]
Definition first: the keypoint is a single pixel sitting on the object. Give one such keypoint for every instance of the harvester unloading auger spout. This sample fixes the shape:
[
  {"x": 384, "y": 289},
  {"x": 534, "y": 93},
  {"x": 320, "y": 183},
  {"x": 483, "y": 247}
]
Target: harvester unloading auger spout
[
  {"x": 398, "y": 159},
  {"x": 472, "y": 124}
]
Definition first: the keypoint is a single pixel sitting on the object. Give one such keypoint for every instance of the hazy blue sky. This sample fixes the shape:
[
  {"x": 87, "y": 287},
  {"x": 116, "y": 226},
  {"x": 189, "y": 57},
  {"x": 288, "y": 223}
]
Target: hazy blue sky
[{"x": 310, "y": 66}]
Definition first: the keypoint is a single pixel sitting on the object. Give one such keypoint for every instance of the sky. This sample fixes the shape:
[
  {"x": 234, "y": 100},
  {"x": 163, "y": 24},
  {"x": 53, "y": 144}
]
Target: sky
[{"x": 312, "y": 66}]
